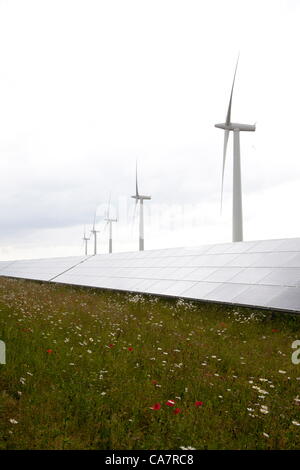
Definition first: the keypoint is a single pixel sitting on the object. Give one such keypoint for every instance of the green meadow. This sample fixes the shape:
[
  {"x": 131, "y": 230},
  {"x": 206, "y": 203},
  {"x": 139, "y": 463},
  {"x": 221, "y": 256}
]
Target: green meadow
[{"x": 95, "y": 369}]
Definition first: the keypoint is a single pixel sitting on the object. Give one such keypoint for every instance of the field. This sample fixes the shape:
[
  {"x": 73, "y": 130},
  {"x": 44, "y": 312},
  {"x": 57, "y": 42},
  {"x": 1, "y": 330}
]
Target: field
[{"x": 92, "y": 369}]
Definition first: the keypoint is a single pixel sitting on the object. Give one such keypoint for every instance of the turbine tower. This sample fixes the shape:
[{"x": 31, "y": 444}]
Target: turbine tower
[
  {"x": 237, "y": 210},
  {"x": 110, "y": 221},
  {"x": 85, "y": 240},
  {"x": 94, "y": 232},
  {"x": 138, "y": 197}
]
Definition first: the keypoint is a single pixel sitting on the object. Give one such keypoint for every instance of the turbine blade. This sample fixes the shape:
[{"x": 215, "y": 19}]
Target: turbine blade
[
  {"x": 94, "y": 221},
  {"x": 117, "y": 210},
  {"x": 226, "y": 136},
  {"x": 136, "y": 181},
  {"x": 108, "y": 206},
  {"x": 134, "y": 216},
  {"x": 228, "y": 117}
]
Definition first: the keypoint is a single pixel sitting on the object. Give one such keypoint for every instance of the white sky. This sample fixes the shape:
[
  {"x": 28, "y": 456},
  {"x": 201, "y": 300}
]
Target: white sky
[{"x": 87, "y": 87}]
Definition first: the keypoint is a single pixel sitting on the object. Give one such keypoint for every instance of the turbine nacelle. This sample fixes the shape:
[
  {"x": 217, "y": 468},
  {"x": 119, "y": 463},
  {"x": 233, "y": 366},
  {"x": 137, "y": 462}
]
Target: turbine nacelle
[
  {"x": 139, "y": 196},
  {"x": 236, "y": 126}
]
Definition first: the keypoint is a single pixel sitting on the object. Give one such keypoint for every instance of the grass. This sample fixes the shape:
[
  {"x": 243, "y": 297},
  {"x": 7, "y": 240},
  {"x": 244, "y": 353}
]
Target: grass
[{"x": 85, "y": 367}]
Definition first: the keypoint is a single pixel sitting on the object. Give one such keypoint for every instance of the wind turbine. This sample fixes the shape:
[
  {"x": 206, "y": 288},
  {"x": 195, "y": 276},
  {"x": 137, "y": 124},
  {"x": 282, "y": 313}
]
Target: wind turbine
[
  {"x": 94, "y": 232},
  {"x": 237, "y": 210},
  {"x": 110, "y": 221},
  {"x": 141, "y": 198},
  {"x": 85, "y": 240}
]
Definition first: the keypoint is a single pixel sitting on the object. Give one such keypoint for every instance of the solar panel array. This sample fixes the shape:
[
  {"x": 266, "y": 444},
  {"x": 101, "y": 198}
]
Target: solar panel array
[{"x": 257, "y": 273}]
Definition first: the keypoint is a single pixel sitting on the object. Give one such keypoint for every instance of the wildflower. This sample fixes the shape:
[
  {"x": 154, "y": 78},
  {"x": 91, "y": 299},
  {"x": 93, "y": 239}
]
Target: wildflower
[
  {"x": 49, "y": 351},
  {"x": 170, "y": 403},
  {"x": 156, "y": 406},
  {"x": 265, "y": 434},
  {"x": 130, "y": 349},
  {"x": 296, "y": 423},
  {"x": 198, "y": 403},
  {"x": 154, "y": 382},
  {"x": 282, "y": 371},
  {"x": 13, "y": 421},
  {"x": 176, "y": 411}
]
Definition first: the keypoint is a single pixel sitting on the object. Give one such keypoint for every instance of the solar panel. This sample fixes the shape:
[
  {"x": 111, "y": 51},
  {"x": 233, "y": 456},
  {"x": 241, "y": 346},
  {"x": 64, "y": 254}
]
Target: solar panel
[
  {"x": 40, "y": 269},
  {"x": 263, "y": 273},
  {"x": 226, "y": 292}
]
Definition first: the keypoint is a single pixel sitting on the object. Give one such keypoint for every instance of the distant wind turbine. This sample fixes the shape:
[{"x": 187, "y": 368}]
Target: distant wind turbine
[
  {"x": 110, "y": 221},
  {"x": 237, "y": 210},
  {"x": 138, "y": 197},
  {"x": 85, "y": 240},
  {"x": 94, "y": 233}
]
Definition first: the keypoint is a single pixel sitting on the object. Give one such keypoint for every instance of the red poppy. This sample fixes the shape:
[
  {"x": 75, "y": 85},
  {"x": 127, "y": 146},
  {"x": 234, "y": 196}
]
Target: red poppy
[
  {"x": 275, "y": 330},
  {"x": 111, "y": 345},
  {"x": 130, "y": 349},
  {"x": 154, "y": 382},
  {"x": 156, "y": 406},
  {"x": 198, "y": 403},
  {"x": 49, "y": 351},
  {"x": 170, "y": 403},
  {"x": 176, "y": 411}
]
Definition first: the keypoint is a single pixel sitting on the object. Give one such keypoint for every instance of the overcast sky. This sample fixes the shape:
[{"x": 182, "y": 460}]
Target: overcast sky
[{"x": 87, "y": 87}]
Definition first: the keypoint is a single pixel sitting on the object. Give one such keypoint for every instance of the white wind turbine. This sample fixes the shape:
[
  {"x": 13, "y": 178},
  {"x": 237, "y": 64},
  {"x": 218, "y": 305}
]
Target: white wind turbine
[
  {"x": 110, "y": 221},
  {"x": 85, "y": 240},
  {"x": 138, "y": 197},
  {"x": 237, "y": 210},
  {"x": 94, "y": 233}
]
